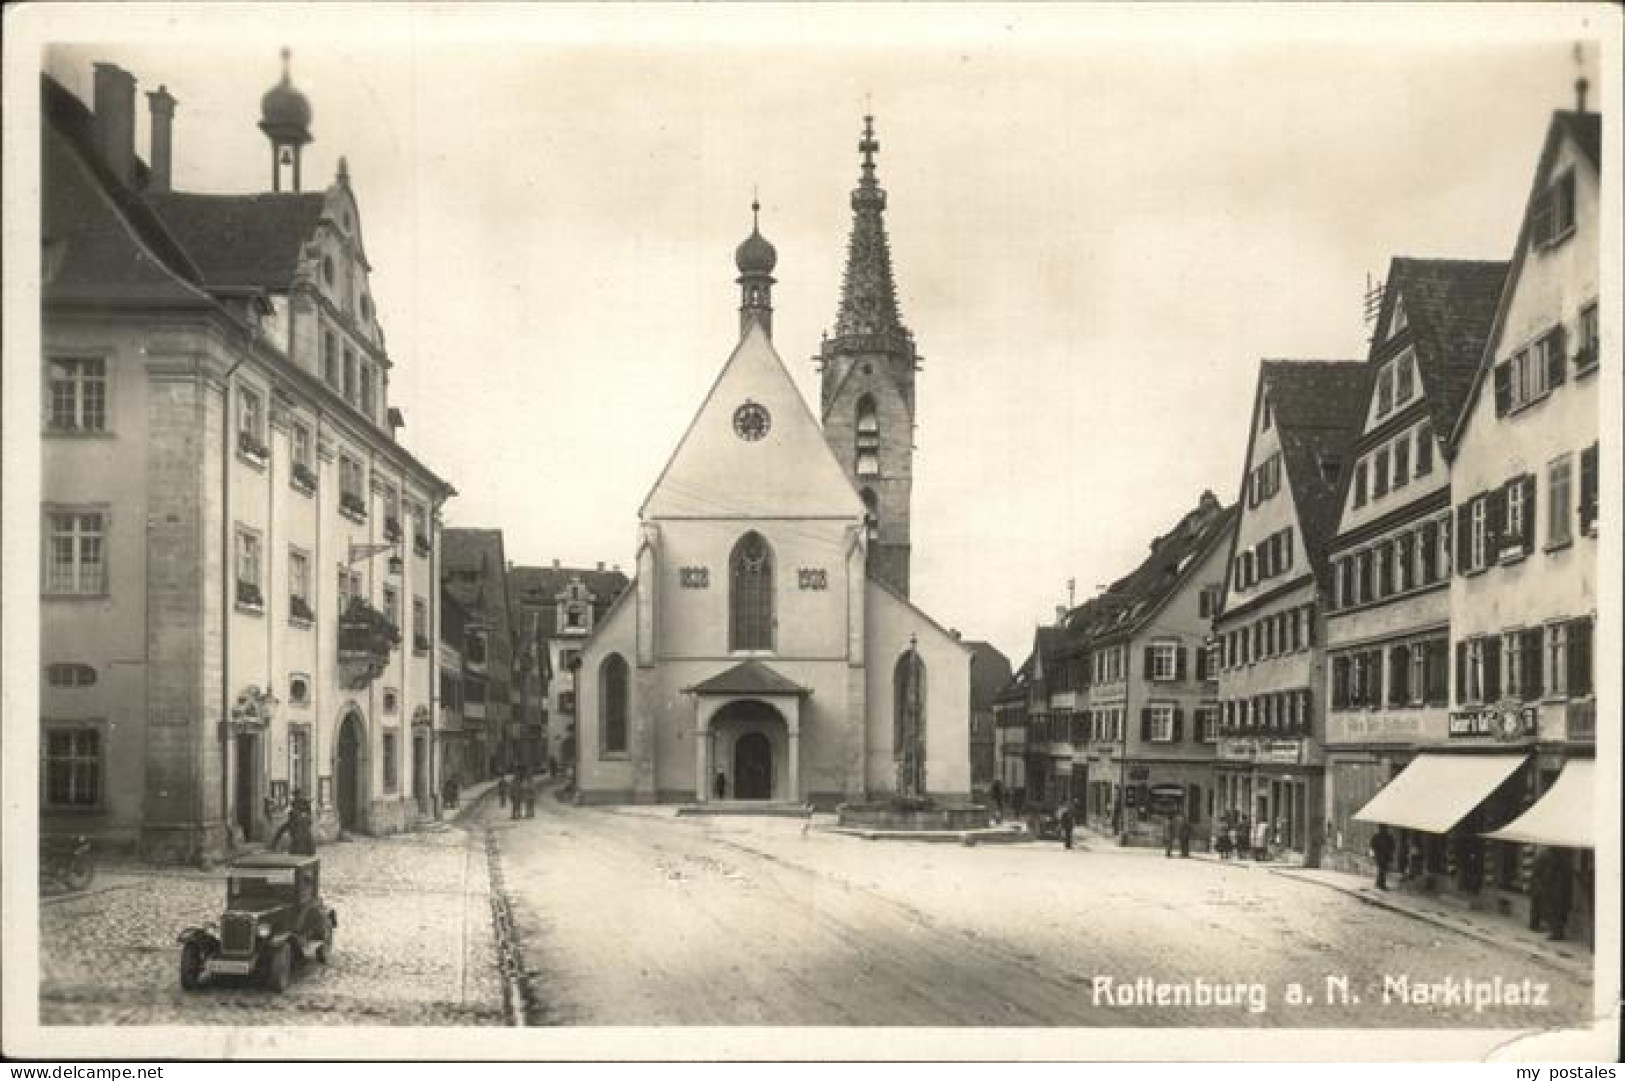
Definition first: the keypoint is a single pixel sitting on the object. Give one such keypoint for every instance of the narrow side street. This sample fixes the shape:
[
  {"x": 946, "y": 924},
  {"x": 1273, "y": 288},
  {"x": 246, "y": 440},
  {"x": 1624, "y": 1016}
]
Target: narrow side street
[
  {"x": 413, "y": 944},
  {"x": 637, "y": 917}
]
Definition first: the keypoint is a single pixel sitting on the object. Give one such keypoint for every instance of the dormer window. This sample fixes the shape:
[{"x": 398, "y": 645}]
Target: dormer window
[
  {"x": 1404, "y": 378},
  {"x": 1397, "y": 321},
  {"x": 1552, "y": 217}
]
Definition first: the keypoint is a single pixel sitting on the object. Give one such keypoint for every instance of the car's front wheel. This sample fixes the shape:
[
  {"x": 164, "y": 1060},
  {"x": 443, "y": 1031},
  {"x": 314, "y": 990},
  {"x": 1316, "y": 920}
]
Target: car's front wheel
[
  {"x": 279, "y": 969},
  {"x": 191, "y": 966}
]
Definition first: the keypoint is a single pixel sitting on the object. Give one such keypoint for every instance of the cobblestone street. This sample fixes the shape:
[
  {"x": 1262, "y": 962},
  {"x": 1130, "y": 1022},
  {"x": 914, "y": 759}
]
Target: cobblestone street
[
  {"x": 413, "y": 945},
  {"x": 635, "y": 916}
]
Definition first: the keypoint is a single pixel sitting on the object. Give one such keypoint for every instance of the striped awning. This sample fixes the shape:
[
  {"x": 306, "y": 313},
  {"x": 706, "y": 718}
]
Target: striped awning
[{"x": 1436, "y": 791}]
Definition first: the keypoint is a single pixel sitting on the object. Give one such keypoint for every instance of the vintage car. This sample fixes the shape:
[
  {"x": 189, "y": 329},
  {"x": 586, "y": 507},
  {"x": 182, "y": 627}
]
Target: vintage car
[{"x": 274, "y": 919}]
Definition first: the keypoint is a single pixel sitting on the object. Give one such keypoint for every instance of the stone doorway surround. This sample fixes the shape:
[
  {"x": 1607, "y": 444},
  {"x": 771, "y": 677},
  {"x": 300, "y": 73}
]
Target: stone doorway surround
[{"x": 755, "y": 698}]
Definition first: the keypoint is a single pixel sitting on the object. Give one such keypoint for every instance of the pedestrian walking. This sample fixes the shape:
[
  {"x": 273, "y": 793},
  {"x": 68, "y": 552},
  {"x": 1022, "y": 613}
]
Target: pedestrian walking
[
  {"x": 720, "y": 785},
  {"x": 1184, "y": 838},
  {"x": 1068, "y": 822},
  {"x": 1551, "y": 892},
  {"x": 530, "y": 796},
  {"x": 1261, "y": 840},
  {"x": 1382, "y": 850},
  {"x": 1169, "y": 835},
  {"x": 518, "y": 802},
  {"x": 502, "y": 790},
  {"x": 1221, "y": 840}
]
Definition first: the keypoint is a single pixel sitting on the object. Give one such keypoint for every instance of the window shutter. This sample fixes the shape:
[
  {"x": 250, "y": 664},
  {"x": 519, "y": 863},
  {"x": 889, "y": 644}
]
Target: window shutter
[
  {"x": 1557, "y": 357},
  {"x": 1464, "y": 537},
  {"x": 1179, "y": 662},
  {"x": 1461, "y": 671},
  {"x": 1492, "y": 668},
  {"x": 1530, "y": 652},
  {"x": 1529, "y": 515},
  {"x": 1179, "y": 724},
  {"x": 1150, "y": 662},
  {"x": 1145, "y": 725},
  {"x": 1588, "y": 488},
  {"x": 1579, "y": 657},
  {"x": 1495, "y": 510},
  {"x": 1503, "y": 388},
  {"x": 1201, "y": 663}
]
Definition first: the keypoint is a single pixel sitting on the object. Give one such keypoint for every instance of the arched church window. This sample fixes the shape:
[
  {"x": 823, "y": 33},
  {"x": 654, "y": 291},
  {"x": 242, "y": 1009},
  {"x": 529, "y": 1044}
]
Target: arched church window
[
  {"x": 612, "y": 704},
  {"x": 871, "y": 513},
  {"x": 868, "y": 436},
  {"x": 750, "y": 597}
]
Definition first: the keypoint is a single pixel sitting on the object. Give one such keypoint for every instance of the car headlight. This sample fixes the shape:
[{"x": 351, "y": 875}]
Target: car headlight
[{"x": 263, "y": 930}]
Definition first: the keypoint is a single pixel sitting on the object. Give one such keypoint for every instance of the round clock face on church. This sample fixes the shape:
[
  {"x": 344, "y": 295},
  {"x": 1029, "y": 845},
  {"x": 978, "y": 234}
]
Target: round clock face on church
[{"x": 751, "y": 421}]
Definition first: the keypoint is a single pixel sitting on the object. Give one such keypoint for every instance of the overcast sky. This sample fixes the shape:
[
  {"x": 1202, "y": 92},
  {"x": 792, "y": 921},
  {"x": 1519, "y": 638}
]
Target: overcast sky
[{"x": 1098, "y": 224}]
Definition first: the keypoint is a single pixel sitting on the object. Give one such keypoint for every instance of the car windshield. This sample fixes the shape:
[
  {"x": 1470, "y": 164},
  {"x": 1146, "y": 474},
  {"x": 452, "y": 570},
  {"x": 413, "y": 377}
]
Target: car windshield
[{"x": 273, "y": 885}]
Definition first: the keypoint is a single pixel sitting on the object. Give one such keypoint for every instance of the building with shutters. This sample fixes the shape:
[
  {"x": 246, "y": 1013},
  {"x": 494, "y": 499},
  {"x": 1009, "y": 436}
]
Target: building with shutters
[
  {"x": 239, "y": 553},
  {"x": 1269, "y": 636},
  {"x": 1148, "y": 702},
  {"x": 1388, "y": 623},
  {"x": 474, "y": 574},
  {"x": 559, "y": 606},
  {"x": 1524, "y": 486},
  {"x": 765, "y": 649}
]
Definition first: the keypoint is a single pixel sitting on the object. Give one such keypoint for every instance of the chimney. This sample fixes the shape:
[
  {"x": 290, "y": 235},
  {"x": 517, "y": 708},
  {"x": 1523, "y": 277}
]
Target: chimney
[
  {"x": 1060, "y": 614},
  {"x": 600, "y": 564},
  {"x": 555, "y": 564},
  {"x": 115, "y": 120},
  {"x": 162, "y": 107},
  {"x": 616, "y": 567},
  {"x": 1580, "y": 88}
]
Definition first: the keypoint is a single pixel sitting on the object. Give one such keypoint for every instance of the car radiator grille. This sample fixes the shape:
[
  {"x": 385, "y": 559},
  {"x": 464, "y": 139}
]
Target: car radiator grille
[{"x": 236, "y": 933}]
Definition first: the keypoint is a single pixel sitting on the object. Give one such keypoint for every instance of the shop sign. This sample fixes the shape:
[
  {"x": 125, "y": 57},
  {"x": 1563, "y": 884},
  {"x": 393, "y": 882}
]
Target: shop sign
[
  {"x": 1237, "y": 750},
  {"x": 1167, "y": 799},
  {"x": 1287, "y": 752},
  {"x": 1506, "y": 723}
]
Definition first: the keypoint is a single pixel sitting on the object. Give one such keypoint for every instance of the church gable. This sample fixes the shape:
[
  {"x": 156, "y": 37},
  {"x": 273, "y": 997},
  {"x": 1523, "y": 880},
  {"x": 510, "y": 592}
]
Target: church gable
[{"x": 753, "y": 450}]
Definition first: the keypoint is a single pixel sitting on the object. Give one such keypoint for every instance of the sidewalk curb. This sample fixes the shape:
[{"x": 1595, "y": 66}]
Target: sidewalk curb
[{"x": 1564, "y": 966}]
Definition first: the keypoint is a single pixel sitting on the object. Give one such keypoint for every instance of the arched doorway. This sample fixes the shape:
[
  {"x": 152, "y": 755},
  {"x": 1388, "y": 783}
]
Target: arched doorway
[
  {"x": 349, "y": 773},
  {"x": 753, "y": 767}
]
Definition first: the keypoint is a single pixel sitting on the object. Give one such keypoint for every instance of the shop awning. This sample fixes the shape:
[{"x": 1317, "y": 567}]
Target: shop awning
[
  {"x": 1438, "y": 790},
  {"x": 1562, "y": 816}
]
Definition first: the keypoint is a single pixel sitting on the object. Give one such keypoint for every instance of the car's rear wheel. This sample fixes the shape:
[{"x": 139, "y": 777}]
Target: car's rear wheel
[
  {"x": 279, "y": 969},
  {"x": 191, "y": 966}
]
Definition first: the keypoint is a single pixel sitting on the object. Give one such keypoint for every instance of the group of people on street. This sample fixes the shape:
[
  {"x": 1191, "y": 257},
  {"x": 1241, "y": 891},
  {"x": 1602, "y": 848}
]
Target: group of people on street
[
  {"x": 1176, "y": 830},
  {"x": 1236, "y": 837},
  {"x": 520, "y": 792}
]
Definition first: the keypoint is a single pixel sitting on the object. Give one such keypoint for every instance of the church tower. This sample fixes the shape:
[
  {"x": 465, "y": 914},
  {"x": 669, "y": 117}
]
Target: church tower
[{"x": 868, "y": 365}]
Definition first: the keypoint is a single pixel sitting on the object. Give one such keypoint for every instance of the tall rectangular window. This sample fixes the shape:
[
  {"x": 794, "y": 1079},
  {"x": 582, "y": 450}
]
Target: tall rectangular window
[
  {"x": 78, "y": 395},
  {"x": 299, "y": 759},
  {"x": 349, "y": 376},
  {"x": 366, "y": 389},
  {"x": 298, "y": 575},
  {"x": 248, "y": 568},
  {"x": 1588, "y": 489},
  {"x": 1424, "y": 449},
  {"x": 1402, "y": 461},
  {"x": 1405, "y": 379},
  {"x": 1514, "y": 513},
  {"x": 1385, "y": 391},
  {"x": 1379, "y": 474},
  {"x": 1480, "y": 534},
  {"x": 1559, "y": 502},
  {"x": 76, "y": 553},
  {"x": 392, "y": 772},
  {"x": 1359, "y": 484},
  {"x": 330, "y": 360},
  {"x": 73, "y": 767},
  {"x": 1588, "y": 354},
  {"x": 420, "y": 625},
  {"x": 1557, "y": 659},
  {"x": 250, "y": 416},
  {"x": 1162, "y": 723}
]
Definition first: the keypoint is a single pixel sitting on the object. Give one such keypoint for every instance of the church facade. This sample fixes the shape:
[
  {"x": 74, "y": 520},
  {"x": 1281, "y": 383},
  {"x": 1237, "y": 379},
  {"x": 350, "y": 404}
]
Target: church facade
[{"x": 766, "y": 649}]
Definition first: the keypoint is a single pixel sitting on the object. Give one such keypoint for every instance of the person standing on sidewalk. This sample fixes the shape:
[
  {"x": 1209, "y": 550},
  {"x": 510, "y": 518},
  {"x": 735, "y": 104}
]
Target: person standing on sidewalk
[
  {"x": 1068, "y": 822},
  {"x": 1382, "y": 850},
  {"x": 530, "y": 796},
  {"x": 1261, "y": 840},
  {"x": 1169, "y": 832},
  {"x": 520, "y": 780},
  {"x": 1184, "y": 830},
  {"x": 502, "y": 790}
]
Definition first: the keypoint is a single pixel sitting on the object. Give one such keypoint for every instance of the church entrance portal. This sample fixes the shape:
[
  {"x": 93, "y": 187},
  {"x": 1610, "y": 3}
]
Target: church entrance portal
[
  {"x": 348, "y": 770},
  {"x": 753, "y": 767}
]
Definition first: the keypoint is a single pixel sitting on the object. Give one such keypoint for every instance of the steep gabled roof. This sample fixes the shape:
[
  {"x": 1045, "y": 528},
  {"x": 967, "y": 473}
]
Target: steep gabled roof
[
  {"x": 540, "y": 585},
  {"x": 1319, "y": 408},
  {"x": 989, "y": 673},
  {"x": 243, "y": 241},
  {"x": 749, "y": 677},
  {"x": 1585, "y": 130},
  {"x": 1135, "y": 599},
  {"x": 1450, "y": 306},
  {"x": 479, "y": 551}
]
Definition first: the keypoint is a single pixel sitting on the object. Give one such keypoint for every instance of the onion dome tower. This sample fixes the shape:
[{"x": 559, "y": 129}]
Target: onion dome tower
[
  {"x": 755, "y": 258},
  {"x": 868, "y": 364},
  {"x": 285, "y": 120}
]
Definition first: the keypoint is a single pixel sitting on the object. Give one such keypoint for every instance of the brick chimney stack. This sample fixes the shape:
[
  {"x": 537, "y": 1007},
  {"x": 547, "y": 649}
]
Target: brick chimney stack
[
  {"x": 162, "y": 107},
  {"x": 115, "y": 120}
]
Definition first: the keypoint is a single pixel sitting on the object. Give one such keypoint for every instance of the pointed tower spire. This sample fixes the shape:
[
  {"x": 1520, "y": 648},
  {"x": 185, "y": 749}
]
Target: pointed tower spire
[{"x": 869, "y": 363}]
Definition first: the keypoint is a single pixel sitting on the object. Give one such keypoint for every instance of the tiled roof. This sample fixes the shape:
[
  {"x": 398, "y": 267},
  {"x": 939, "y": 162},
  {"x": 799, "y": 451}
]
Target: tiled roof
[
  {"x": 539, "y": 585},
  {"x": 101, "y": 240},
  {"x": 749, "y": 677},
  {"x": 1136, "y": 597},
  {"x": 1319, "y": 408},
  {"x": 480, "y": 551},
  {"x": 243, "y": 241},
  {"x": 1450, "y": 306},
  {"x": 989, "y": 673}
]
